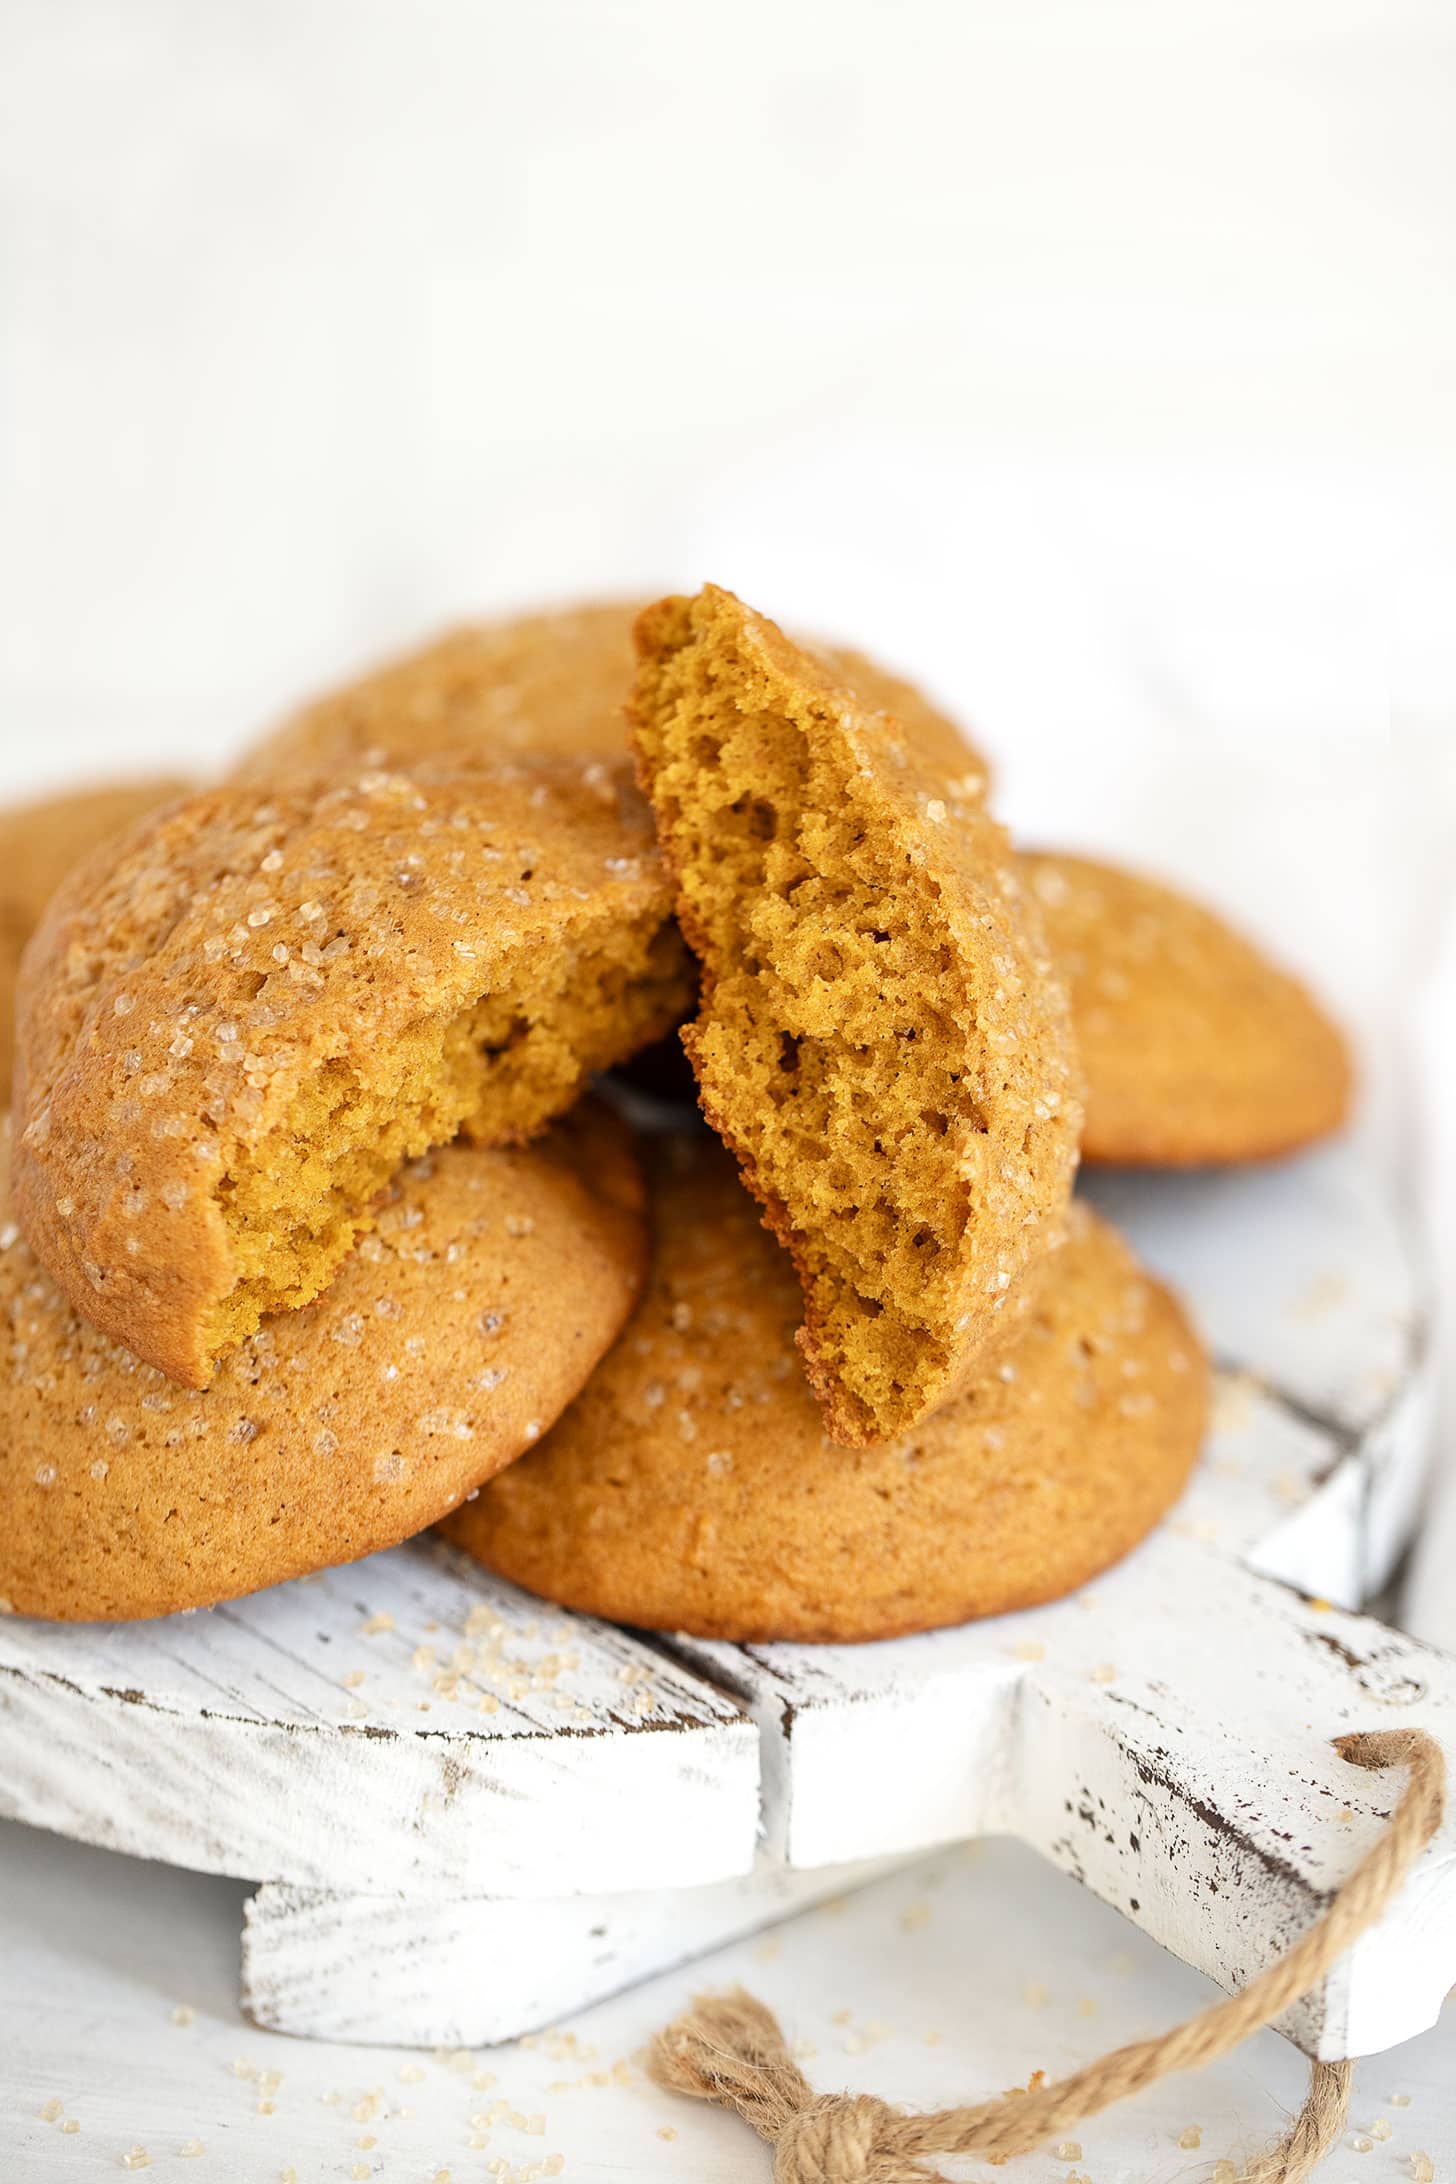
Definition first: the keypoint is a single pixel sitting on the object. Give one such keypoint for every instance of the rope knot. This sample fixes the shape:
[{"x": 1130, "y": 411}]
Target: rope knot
[{"x": 844, "y": 2138}]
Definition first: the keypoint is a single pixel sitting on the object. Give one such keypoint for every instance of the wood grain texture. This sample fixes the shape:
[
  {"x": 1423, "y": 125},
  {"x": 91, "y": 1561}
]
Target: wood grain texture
[
  {"x": 405, "y": 1722},
  {"x": 450, "y": 1972}
]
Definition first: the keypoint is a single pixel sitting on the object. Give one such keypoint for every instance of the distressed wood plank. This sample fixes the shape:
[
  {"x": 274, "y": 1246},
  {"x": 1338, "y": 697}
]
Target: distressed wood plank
[
  {"x": 1166, "y": 1739},
  {"x": 468, "y": 1972},
  {"x": 405, "y": 1722}
]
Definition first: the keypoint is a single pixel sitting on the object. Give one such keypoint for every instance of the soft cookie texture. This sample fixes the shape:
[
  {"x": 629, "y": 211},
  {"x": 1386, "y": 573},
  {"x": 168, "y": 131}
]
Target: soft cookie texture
[
  {"x": 550, "y": 685},
  {"x": 234, "y": 1035},
  {"x": 691, "y": 1487},
  {"x": 1197, "y": 1049},
  {"x": 40, "y": 844},
  {"x": 452, "y": 1338},
  {"x": 881, "y": 1040}
]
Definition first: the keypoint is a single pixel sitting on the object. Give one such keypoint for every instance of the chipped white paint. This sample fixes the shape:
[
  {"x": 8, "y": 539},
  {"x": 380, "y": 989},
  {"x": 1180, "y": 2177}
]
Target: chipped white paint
[
  {"x": 1165, "y": 1738},
  {"x": 404, "y": 1723},
  {"x": 1164, "y": 1735},
  {"x": 463, "y": 1972}
]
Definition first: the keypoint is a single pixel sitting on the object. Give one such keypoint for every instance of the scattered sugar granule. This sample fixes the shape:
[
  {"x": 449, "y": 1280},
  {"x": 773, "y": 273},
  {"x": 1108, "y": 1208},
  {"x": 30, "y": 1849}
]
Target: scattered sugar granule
[
  {"x": 1067, "y": 2150},
  {"x": 70, "y": 2127},
  {"x": 1359, "y": 2144},
  {"x": 1034, "y": 1994},
  {"x": 1381, "y": 2128},
  {"x": 1423, "y": 2169},
  {"x": 666, "y": 2131},
  {"x": 1400, "y": 2100},
  {"x": 410, "y": 2074},
  {"x": 138, "y": 2158},
  {"x": 1193, "y": 2136},
  {"x": 1030, "y": 1649},
  {"x": 51, "y": 2110},
  {"x": 1104, "y": 1673},
  {"x": 191, "y": 2148},
  {"x": 914, "y": 1916}
]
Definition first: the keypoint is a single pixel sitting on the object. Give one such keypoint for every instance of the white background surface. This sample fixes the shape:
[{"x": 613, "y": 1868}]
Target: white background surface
[
  {"x": 955, "y": 1978},
  {"x": 1099, "y": 366}
]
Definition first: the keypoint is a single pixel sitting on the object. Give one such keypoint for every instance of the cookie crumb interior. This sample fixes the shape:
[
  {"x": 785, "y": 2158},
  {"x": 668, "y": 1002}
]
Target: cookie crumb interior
[
  {"x": 297, "y": 1203},
  {"x": 824, "y": 1056}
]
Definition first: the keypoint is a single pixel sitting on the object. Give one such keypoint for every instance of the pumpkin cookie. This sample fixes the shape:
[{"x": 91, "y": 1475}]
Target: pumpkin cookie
[
  {"x": 233, "y": 1037},
  {"x": 881, "y": 1040},
  {"x": 690, "y": 1486},
  {"x": 1197, "y": 1049},
  {"x": 550, "y": 685},
  {"x": 454, "y": 1335},
  {"x": 39, "y": 844}
]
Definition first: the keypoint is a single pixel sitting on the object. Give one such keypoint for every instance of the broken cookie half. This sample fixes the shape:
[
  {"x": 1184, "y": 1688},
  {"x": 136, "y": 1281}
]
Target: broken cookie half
[
  {"x": 234, "y": 1033},
  {"x": 881, "y": 1040}
]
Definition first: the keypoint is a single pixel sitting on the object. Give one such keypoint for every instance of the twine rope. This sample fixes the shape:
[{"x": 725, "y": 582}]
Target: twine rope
[{"x": 730, "y": 2049}]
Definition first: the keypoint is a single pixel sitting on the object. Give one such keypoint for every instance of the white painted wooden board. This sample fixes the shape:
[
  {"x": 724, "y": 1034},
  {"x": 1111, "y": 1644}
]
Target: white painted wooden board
[
  {"x": 1164, "y": 1735},
  {"x": 1166, "y": 1739},
  {"x": 470, "y": 1971},
  {"x": 405, "y": 1722}
]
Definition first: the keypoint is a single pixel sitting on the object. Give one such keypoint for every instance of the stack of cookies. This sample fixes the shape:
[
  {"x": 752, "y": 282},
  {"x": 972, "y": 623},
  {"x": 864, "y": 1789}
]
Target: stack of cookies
[{"x": 323, "y": 1221}]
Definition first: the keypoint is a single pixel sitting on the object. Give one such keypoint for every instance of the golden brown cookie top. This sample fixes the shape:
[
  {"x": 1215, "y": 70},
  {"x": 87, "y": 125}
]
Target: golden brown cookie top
[
  {"x": 1196, "y": 1047},
  {"x": 549, "y": 685},
  {"x": 691, "y": 1485},
  {"x": 449, "y": 1342},
  {"x": 232, "y": 1036},
  {"x": 553, "y": 685},
  {"x": 882, "y": 1040},
  {"x": 39, "y": 844}
]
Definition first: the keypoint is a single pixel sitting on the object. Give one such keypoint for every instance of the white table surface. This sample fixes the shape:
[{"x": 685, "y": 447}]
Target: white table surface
[{"x": 950, "y": 1980}]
